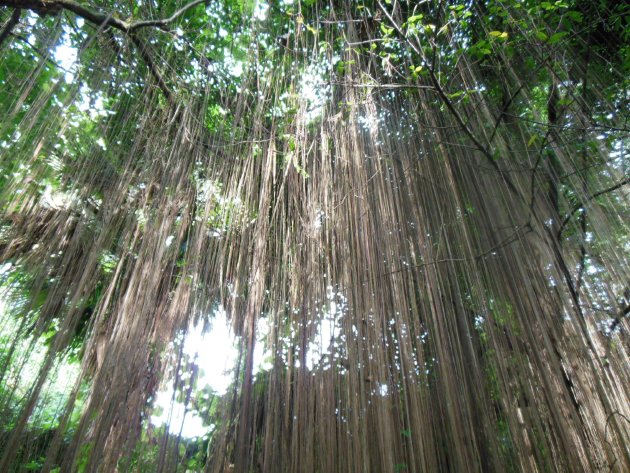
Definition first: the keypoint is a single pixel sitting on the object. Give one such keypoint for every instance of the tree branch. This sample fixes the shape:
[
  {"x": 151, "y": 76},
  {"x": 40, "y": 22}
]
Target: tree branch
[
  {"x": 164, "y": 22},
  {"x": 449, "y": 104},
  {"x": 506, "y": 242},
  {"x": 617, "y": 320},
  {"x": 144, "y": 52},
  {"x": 52, "y": 7},
  {"x": 9, "y": 25},
  {"x": 588, "y": 199},
  {"x": 40, "y": 53},
  {"x": 358, "y": 85}
]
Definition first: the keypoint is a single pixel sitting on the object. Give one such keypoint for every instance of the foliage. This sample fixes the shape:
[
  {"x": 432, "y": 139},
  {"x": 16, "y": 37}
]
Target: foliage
[{"x": 424, "y": 202}]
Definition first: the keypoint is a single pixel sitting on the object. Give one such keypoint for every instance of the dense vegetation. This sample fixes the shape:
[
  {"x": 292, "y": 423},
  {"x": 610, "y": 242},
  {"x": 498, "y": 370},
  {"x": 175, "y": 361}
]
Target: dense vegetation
[{"x": 405, "y": 223}]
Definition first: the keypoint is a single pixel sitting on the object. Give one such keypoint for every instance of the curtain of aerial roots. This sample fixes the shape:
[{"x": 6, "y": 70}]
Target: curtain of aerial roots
[{"x": 460, "y": 330}]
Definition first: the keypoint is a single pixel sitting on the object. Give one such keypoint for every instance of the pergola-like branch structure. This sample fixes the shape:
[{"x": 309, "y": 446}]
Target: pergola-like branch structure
[
  {"x": 52, "y": 7},
  {"x": 10, "y": 24},
  {"x": 103, "y": 20}
]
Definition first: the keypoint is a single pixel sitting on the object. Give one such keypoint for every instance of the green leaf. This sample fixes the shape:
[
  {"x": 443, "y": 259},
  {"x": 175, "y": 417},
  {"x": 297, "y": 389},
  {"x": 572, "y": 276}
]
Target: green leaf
[
  {"x": 33, "y": 465},
  {"x": 532, "y": 140},
  {"x": 412, "y": 20},
  {"x": 540, "y": 35},
  {"x": 386, "y": 30},
  {"x": 454, "y": 95},
  {"x": 499, "y": 34},
  {"x": 557, "y": 37}
]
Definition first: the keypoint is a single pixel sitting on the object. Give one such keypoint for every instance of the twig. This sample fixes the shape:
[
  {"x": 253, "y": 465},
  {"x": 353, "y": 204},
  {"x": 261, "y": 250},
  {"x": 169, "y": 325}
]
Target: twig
[
  {"x": 593, "y": 126},
  {"x": 504, "y": 109},
  {"x": 617, "y": 320},
  {"x": 507, "y": 241},
  {"x": 608, "y": 419},
  {"x": 39, "y": 52},
  {"x": 449, "y": 104},
  {"x": 380, "y": 86},
  {"x": 543, "y": 145},
  {"x": 588, "y": 199}
]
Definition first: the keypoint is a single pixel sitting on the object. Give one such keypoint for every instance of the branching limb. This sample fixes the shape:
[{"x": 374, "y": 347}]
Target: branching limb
[
  {"x": 357, "y": 85},
  {"x": 588, "y": 199},
  {"x": 163, "y": 23},
  {"x": 144, "y": 52},
  {"x": 543, "y": 145},
  {"x": 40, "y": 53},
  {"x": 516, "y": 235},
  {"x": 617, "y": 320},
  {"x": 52, "y": 7},
  {"x": 9, "y": 25},
  {"x": 582, "y": 264},
  {"x": 448, "y": 103},
  {"x": 102, "y": 20}
]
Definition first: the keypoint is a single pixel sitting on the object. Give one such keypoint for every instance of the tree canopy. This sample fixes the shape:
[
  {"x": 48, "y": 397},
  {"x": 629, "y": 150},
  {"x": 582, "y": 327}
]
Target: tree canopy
[{"x": 309, "y": 236}]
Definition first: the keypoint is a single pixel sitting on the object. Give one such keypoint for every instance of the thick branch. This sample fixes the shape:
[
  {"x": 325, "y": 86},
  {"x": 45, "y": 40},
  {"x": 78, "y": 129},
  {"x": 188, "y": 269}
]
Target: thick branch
[
  {"x": 617, "y": 320},
  {"x": 164, "y": 22},
  {"x": 357, "y": 85},
  {"x": 52, "y": 7},
  {"x": 9, "y": 25},
  {"x": 143, "y": 48}
]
